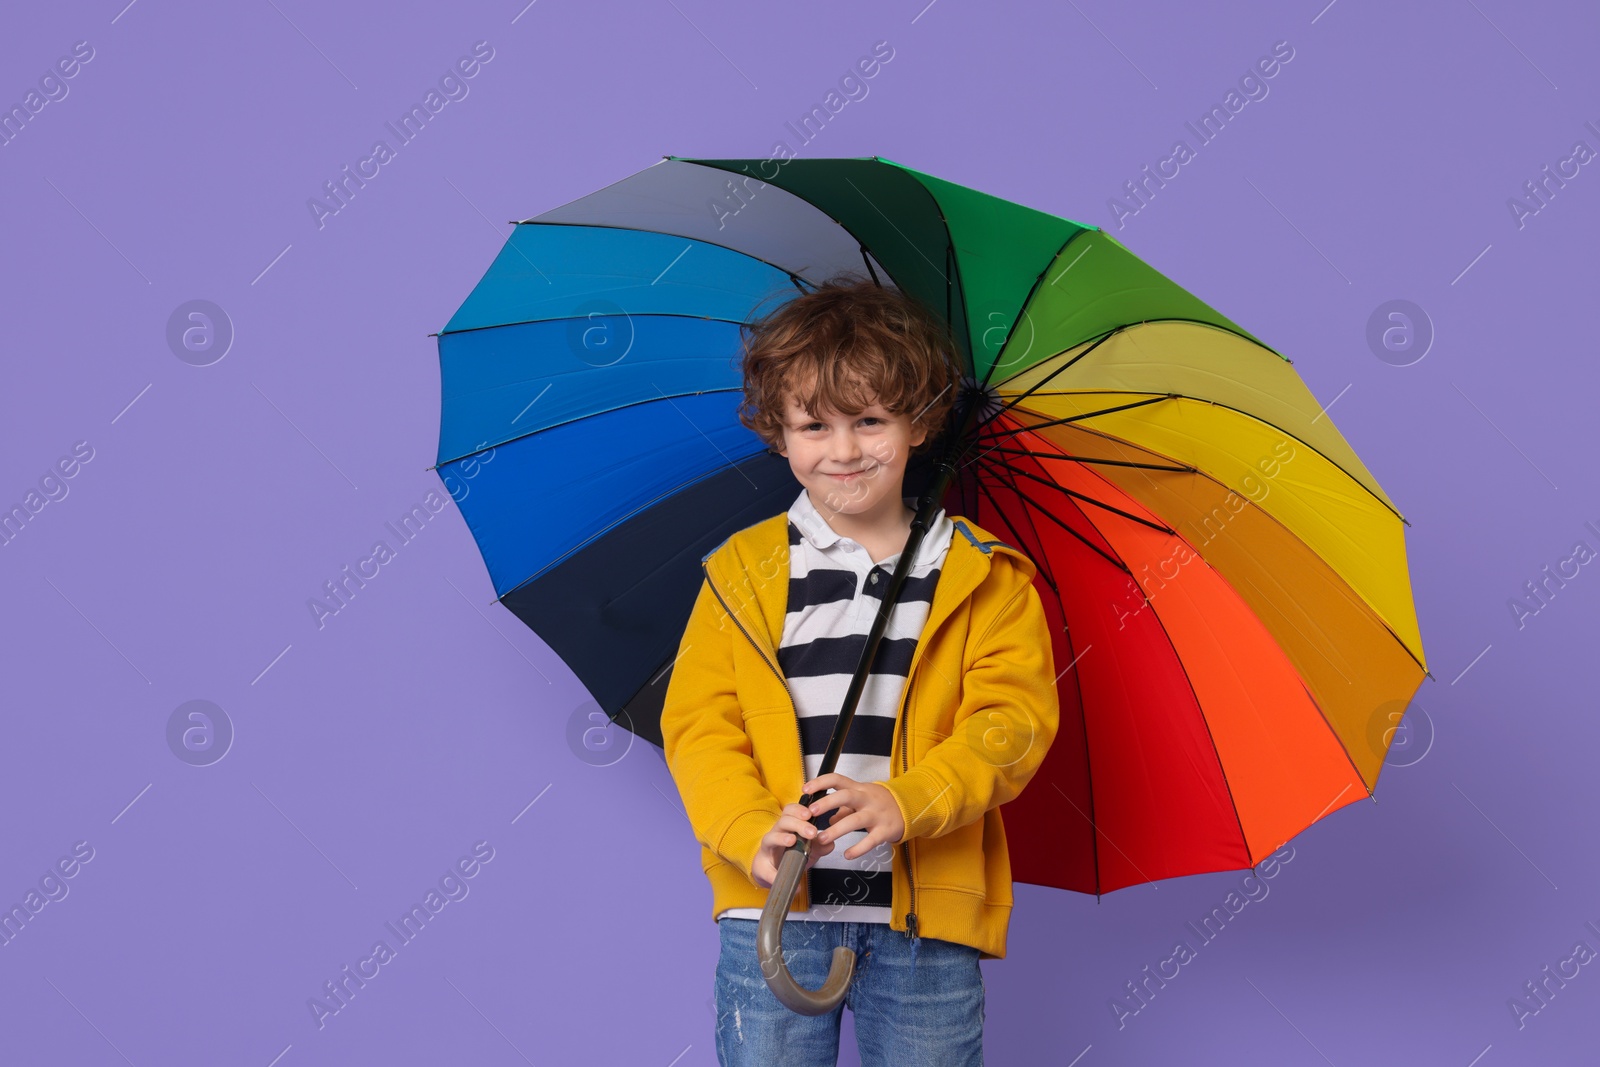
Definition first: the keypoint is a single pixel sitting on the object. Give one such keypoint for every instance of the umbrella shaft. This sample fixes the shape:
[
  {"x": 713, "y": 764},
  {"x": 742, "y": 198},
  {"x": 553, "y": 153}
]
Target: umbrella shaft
[{"x": 929, "y": 506}]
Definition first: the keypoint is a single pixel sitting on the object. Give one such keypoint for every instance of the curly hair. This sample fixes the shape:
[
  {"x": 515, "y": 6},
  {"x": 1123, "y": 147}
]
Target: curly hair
[{"x": 858, "y": 342}]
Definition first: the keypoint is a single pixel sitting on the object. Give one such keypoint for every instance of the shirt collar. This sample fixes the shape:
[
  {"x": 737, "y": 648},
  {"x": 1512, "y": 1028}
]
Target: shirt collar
[{"x": 814, "y": 528}]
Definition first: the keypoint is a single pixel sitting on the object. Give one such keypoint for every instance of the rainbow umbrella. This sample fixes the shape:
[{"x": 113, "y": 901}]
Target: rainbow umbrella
[{"x": 1227, "y": 581}]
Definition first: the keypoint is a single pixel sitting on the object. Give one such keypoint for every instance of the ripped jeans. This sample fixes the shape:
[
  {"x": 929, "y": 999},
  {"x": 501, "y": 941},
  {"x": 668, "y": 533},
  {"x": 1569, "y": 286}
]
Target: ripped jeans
[{"x": 931, "y": 1016}]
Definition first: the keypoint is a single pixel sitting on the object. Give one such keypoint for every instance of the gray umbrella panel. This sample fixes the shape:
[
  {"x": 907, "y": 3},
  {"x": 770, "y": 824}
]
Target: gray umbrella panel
[{"x": 709, "y": 204}]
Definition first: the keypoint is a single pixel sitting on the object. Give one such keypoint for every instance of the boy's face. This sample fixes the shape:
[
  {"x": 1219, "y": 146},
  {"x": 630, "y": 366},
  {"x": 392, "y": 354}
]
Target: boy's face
[{"x": 850, "y": 464}]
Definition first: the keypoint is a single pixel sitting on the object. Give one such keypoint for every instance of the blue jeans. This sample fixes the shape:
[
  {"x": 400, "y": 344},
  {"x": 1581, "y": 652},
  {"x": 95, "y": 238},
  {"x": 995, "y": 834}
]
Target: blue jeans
[{"x": 928, "y": 1017}]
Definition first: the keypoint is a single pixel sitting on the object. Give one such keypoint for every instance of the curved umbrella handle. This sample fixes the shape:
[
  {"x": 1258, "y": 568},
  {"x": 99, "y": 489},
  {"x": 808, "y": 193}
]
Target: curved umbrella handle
[{"x": 769, "y": 944}]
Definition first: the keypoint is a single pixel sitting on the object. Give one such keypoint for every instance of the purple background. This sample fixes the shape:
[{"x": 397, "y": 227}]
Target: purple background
[{"x": 373, "y": 752}]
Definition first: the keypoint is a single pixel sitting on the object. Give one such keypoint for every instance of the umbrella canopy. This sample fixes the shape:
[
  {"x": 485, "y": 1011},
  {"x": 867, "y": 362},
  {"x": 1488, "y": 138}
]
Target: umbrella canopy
[{"x": 1227, "y": 580}]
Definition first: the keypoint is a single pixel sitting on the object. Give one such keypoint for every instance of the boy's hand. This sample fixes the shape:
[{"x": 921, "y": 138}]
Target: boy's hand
[
  {"x": 793, "y": 820},
  {"x": 863, "y": 805}
]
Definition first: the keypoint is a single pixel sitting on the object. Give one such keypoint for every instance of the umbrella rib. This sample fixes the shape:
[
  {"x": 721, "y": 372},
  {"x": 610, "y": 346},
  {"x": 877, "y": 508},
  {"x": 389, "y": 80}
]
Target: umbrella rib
[
  {"x": 1315, "y": 644},
  {"x": 909, "y": 242},
  {"x": 1075, "y": 418},
  {"x": 565, "y": 318},
  {"x": 579, "y": 418},
  {"x": 1058, "y": 521},
  {"x": 1233, "y": 805},
  {"x": 1049, "y": 571},
  {"x": 952, "y": 268},
  {"x": 1102, "y": 339},
  {"x": 1179, "y": 396},
  {"x": 951, "y": 271},
  {"x": 1265, "y": 422},
  {"x": 1023, "y": 307},
  {"x": 949, "y": 265},
  {"x": 1097, "y": 503},
  {"x": 662, "y": 233},
  {"x": 868, "y": 261},
  {"x": 1088, "y": 771},
  {"x": 1092, "y": 459},
  {"x": 1342, "y": 748},
  {"x": 1034, "y": 289},
  {"x": 1095, "y": 831},
  {"x": 1342, "y": 586}
]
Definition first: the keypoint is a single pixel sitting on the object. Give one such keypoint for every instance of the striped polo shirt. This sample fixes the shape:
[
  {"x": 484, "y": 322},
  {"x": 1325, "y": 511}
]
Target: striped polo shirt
[{"x": 835, "y": 589}]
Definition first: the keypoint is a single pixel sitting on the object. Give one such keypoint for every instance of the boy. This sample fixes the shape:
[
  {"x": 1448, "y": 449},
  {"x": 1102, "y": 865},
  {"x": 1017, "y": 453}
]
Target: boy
[{"x": 957, "y": 713}]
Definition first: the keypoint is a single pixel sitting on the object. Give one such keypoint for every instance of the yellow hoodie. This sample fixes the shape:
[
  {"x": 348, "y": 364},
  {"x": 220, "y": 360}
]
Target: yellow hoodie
[{"x": 978, "y": 714}]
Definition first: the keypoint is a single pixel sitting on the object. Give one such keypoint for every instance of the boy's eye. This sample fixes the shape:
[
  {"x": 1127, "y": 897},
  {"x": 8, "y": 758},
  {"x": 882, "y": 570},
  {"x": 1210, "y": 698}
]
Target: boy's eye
[{"x": 818, "y": 425}]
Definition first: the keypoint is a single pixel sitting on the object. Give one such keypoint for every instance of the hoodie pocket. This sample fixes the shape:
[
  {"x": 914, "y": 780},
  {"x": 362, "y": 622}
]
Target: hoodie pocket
[
  {"x": 924, "y": 740},
  {"x": 763, "y": 710},
  {"x": 955, "y": 861}
]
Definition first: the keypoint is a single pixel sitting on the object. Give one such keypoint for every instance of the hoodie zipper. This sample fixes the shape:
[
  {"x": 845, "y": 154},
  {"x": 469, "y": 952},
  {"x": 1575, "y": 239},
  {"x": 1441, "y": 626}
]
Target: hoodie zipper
[
  {"x": 905, "y": 758},
  {"x": 905, "y": 846},
  {"x": 801, "y": 743}
]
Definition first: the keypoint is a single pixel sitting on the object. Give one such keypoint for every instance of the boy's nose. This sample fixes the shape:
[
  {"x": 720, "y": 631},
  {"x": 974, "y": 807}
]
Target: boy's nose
[{"x": 844, "y": 451}]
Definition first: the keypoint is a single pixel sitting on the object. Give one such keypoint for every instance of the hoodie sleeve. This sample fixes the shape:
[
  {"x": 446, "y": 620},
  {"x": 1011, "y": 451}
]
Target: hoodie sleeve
[
  {"x": 1006, "y": 722},
  {"x": 708, "y": 752}
]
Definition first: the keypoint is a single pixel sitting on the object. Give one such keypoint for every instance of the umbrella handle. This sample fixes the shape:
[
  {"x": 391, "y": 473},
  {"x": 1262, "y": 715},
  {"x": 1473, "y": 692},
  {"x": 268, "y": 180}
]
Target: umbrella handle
[{"x": 769, "y": 944}]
